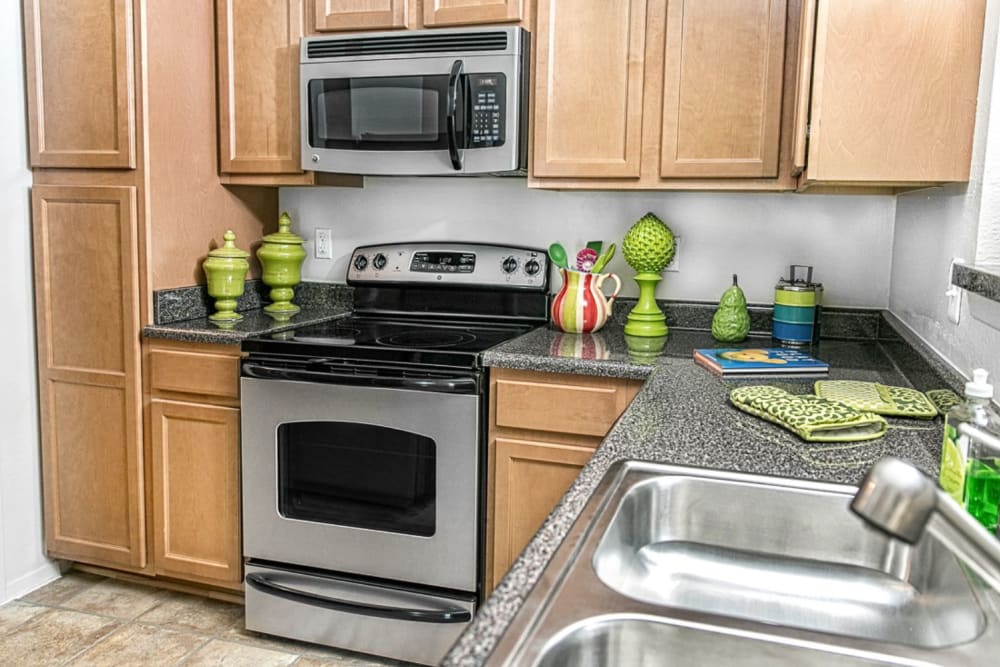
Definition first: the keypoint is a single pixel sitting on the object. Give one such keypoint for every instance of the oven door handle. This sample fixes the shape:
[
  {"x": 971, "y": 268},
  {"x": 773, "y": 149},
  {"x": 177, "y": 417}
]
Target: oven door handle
[
  {"x": 456, "y": 385},
  {"x": 265, "y": 585},
  {"x": 452, "y": 122}
]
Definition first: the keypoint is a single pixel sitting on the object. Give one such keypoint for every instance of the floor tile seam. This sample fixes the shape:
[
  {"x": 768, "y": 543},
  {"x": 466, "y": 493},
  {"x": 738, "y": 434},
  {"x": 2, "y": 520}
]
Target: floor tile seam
[
  {"x": 183, "y": 658},
  {"x": 17, "y": 625},
  {"x": 94, "y": 643},
  {"x": 99, "y": 615}
]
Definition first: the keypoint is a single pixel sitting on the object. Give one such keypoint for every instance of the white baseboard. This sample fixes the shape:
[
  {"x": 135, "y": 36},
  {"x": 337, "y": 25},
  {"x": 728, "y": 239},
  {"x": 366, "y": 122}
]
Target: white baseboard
[{"x": 30, "y": 581}]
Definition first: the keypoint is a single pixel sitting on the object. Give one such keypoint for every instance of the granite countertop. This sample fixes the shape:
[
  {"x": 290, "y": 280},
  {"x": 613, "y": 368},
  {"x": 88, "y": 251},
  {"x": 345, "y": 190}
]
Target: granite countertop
[
  {"x": 182, "y": 313},
  {"x": 682, "y": 416},
  {"x": 254, "y": 323}
]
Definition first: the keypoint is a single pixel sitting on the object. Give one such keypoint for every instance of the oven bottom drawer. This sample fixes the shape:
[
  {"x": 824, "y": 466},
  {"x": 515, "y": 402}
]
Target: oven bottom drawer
[{"x": 334, "y": 610}]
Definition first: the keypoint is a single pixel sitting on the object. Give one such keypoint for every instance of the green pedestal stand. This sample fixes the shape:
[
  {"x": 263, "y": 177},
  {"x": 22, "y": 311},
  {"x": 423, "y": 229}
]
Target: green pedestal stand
[{"x": 646, "y": 319}]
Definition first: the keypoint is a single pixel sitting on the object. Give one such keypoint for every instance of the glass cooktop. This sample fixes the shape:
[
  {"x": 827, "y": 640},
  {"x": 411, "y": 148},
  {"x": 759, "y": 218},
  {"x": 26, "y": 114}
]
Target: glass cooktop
[{"x": 424, "y": 342}]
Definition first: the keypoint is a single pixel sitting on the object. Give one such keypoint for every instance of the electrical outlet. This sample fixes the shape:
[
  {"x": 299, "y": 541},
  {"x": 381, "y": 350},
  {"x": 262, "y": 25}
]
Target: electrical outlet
[
  {"x": 324, "y": 244},
  {"x": 675, "y": 263}
]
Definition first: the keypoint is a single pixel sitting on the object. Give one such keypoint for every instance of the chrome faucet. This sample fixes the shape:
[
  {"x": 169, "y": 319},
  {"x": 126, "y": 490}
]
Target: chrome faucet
[{"x": 898, "y": 499}]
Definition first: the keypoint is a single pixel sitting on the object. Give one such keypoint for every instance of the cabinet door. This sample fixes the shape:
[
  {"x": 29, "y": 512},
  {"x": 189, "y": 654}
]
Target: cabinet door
[
  {"x": 468, "y": 12},
  {"x": 530, "y": 478},
  {"x": 81, "y": 107},
  {"x": 258, "y": 69},
  {"x": 86, "y": 300},
  {"x": 722, "y": 84},
  {"x": 894, "y": 92},
  {"x": 360, "y": 14},
  {"x": 588, "y": 88},
  {"x": 196, "y": 494}
]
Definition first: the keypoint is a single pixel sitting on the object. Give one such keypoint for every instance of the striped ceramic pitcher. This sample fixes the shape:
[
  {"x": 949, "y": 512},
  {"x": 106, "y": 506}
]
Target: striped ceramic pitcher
[{"x": 580, "y": 307}]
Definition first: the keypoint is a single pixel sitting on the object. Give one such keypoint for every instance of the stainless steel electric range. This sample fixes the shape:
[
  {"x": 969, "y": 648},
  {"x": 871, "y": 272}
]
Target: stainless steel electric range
[{"x": 363, "y": 450}]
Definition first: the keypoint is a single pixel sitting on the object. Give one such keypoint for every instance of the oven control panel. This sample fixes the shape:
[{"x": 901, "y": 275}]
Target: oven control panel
[{"x": 450, "y": 263}]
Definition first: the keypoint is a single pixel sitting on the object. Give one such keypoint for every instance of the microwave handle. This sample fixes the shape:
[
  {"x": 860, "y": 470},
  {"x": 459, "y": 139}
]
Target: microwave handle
[{"x": 453, "y": 79}]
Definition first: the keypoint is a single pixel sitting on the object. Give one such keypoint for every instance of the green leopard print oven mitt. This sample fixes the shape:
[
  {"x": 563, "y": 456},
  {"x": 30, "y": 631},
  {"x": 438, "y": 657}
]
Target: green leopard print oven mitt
[
  {"x": 878, "y": 398},
  {"x": 812, "y": 418}
]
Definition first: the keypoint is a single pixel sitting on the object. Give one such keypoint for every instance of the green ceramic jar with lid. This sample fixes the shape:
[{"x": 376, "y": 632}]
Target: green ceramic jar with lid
[
  {"x": 281, "y": 256},
  {"x": 226, "y": 272}
]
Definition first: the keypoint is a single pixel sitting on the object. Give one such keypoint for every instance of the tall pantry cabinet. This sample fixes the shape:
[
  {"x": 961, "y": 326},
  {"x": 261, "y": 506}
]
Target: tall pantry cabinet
[{"x": 126, "y": 199}]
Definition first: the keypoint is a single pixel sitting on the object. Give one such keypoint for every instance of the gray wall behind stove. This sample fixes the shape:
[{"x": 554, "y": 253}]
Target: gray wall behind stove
[{"x": 847, "y": 238}]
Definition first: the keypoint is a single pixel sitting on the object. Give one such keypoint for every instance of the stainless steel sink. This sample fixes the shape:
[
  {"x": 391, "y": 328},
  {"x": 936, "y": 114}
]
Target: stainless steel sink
[
  {"x": 790, "y": 555},
  {"x": 648, "y": 641},
  {"x": 672, "y": 565}
]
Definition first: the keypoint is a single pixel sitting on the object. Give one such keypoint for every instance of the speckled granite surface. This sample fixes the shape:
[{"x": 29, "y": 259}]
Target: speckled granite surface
[
  {"x": 843, "y": 323},
  {"x": 682, "y": 416},
  {"x": 254, "y": 323},
  {"x": 182, "y": 314},
  {"x": 983, "y": 280}
]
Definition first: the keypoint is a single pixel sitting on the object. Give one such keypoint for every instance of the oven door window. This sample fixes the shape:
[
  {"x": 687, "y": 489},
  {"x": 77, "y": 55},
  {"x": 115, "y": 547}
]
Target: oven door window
[
  {"x": 394, "y": 113},
  {"x": 357, "y": 475}
]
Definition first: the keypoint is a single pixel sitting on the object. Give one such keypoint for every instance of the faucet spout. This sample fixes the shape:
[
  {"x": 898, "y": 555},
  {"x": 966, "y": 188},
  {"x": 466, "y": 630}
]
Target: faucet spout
[{"x": 898, "y": 499}]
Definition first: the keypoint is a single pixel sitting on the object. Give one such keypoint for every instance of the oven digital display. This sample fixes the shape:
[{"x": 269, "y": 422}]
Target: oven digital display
[{"x": 443, "y": 262}]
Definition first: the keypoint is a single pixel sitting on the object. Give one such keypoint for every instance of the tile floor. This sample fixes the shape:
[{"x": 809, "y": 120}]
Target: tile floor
[{"x": 83, "y": 619}]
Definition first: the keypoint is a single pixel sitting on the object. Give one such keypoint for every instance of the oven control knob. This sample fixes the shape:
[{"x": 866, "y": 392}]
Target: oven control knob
[
  {"x": 510, "y": 265},
  {"x": 360, "y": 262},
  {"x": 531, "y": 267},
  {"x": 379, "y": 262}
]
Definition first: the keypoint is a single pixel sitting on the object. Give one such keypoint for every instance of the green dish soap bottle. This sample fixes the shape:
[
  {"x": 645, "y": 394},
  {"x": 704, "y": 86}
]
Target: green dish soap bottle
[{"x": 970, "y": 470}]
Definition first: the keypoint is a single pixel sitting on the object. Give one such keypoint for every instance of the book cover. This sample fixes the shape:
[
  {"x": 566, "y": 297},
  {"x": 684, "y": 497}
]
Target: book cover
[{"x": 760, "y": 361}]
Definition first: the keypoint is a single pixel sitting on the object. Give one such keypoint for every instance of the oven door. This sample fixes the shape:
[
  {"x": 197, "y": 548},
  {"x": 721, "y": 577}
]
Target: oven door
[{"x": 370, "y": 480}]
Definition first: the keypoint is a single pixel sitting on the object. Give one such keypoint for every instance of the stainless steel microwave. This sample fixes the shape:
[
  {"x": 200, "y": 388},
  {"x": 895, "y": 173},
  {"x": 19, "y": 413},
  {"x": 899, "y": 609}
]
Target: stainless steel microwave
[{"x": 427, "y": 102}]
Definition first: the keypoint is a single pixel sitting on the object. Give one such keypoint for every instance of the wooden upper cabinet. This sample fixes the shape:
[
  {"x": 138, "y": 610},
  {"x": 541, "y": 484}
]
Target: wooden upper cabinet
[
  {"x": 468, "y": 12},
  {"x": 722, "y": 85},
  {"x": 589, "y": 60},
  {"x": 333, "y": 15},
  {"x": 258, "y": 70},
  {"x": 86, "y": 304},
  {"x": 81, "y": 95},
  {"x": 894, "y": 91}
]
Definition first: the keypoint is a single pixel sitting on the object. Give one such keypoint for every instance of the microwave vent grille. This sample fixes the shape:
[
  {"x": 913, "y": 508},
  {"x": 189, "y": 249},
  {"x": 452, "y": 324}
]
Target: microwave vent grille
[{"x": 402, "y": 44}]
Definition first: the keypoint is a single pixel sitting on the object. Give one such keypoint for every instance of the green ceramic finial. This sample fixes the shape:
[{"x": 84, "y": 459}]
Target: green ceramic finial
[
  {"x": 281, "y": 256},
  {"x": 648, "y": 248},
  {"x": 226, "y": 272}
]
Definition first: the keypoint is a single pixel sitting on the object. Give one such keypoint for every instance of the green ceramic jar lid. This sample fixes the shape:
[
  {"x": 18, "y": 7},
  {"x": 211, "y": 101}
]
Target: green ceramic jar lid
[
  {"x": 229, "y": 249},
  {"x": 284, "y": 234}
]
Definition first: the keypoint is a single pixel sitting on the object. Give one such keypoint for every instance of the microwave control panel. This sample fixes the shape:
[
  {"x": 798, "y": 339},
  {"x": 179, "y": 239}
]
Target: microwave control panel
[{"x": 487, "y": 95}]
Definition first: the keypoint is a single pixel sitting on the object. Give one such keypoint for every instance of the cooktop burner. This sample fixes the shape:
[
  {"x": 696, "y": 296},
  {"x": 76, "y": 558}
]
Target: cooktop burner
[{"x": 427, "y": 339}]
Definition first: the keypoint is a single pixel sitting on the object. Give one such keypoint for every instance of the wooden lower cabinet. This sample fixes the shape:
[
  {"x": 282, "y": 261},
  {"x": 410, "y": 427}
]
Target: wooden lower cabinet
[
  {"x": 196, "y": 491},
  {"x": 544, "y": 427},
  {"x": 531, "y": 477},
  {"x": 194, "y": 438}
]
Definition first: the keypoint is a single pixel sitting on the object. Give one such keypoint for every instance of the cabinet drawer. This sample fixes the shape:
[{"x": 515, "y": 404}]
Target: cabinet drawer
[
  {"x": 561, "y": 403},
  {"x": 192, "y": 372}
]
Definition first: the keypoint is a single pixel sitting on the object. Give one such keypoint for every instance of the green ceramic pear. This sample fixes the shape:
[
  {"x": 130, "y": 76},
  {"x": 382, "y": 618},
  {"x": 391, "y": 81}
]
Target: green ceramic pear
[{"x": 731, "y": 322}]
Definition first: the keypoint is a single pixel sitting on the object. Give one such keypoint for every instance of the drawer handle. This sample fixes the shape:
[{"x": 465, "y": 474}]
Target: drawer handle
[{"x": 265, "y": 585}]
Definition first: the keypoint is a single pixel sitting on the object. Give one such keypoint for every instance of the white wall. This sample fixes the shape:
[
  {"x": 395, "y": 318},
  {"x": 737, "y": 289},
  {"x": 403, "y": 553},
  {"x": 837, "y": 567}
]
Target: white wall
[
  {"x": 847, "y": 239},
  {"x": 23, "y": 565},
  {"x": 935, "y": 225}
]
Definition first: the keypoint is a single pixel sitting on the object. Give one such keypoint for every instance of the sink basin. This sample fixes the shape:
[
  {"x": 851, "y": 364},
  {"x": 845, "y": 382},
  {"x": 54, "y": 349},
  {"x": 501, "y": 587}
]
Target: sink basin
[
  {"x": 645, "y": 641},
  {"x": 786, "y": 555},
  {"x": 670, "y": 565}
]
